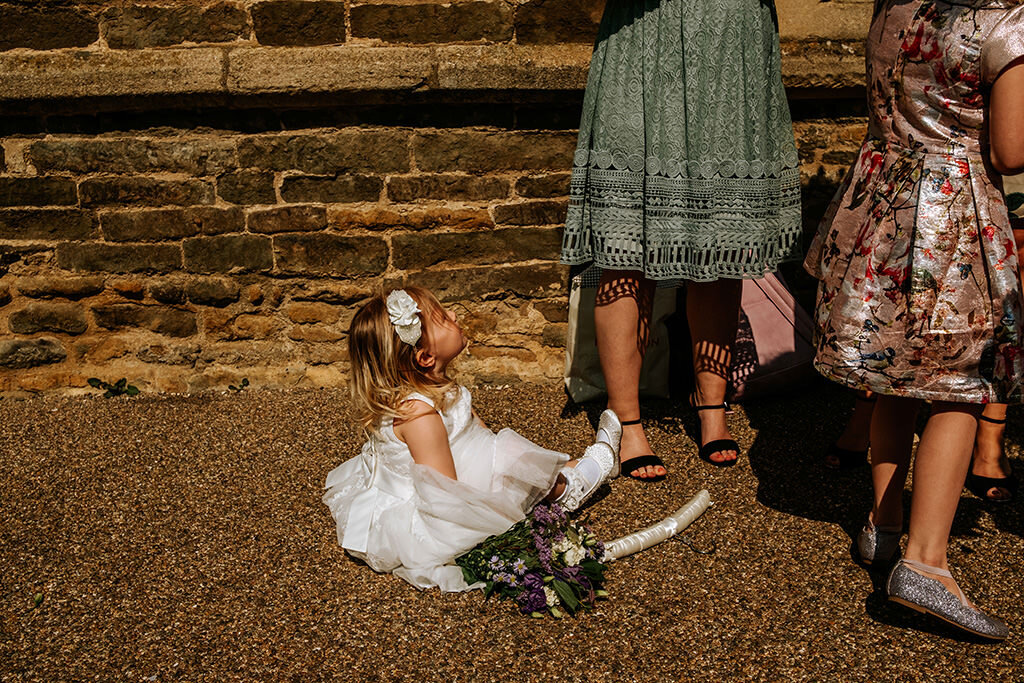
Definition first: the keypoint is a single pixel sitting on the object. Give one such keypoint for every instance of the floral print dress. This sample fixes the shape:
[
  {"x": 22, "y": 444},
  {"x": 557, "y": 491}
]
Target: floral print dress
[{"x": 919, "y": 293}]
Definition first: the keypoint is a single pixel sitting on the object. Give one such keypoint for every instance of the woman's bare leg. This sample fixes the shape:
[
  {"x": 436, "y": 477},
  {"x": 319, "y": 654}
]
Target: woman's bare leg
[
  {"x": 712, "y": 312},
  {"x": 622, "y": 319},
  {"x": 989, "y": 458}
]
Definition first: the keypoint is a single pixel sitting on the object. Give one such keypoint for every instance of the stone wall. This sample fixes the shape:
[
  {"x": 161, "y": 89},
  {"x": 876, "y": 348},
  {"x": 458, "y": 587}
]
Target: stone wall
[{"x": 192, "y": 193}]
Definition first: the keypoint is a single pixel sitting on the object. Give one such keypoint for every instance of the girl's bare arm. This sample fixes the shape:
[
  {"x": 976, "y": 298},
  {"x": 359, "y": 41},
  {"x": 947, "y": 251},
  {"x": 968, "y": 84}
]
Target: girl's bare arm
[
  {"x": 1006, "y": 120},
  {"x": 421, "y": 428}
]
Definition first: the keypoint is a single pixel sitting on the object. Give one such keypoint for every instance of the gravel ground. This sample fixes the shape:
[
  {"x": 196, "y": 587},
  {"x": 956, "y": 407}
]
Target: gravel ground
[{"x": 183, "y": 538}]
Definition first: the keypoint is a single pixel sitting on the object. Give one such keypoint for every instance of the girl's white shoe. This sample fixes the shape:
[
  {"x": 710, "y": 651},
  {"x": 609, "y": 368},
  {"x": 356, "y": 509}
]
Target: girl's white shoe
[{"x": 609, "y": 430}]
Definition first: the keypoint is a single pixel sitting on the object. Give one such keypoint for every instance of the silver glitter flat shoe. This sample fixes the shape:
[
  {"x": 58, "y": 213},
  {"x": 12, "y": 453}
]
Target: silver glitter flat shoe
[
  {"x": 878, "y": 546},
  {"x": 923, "y": 594}
]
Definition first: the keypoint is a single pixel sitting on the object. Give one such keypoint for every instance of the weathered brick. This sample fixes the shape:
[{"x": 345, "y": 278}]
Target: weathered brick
[
  {"x": 540, "y": 281},
  {"x": 299, "y": 22},
  {"x": 141, "y": 26},
  {"x": 30, "y": 353},
  {"x": 447, "y": 186},
  {"x": 154, "y": 225},
  {"x": 325, "y": 254},
  {"x": 429, "y": 22},
  {"x": 418, "y": 219},
  {"x": 176, "y": 354},
  {"x": 129, "y": 288},
  {"x": 228, "y": 253},
  {"x": 63, "y": 287},
  {"x": 247, "y": 186},
  {"x": 426, "y": 249},
  {"x": 553, "y": 311},
  {"x": 144, "y": 190},
  {"x": 288, "y": 219},
  {"x": 118, "y": 258},
  {"x": 546, "y": 185},
  {"x": 5, "y": 294},
  {"x": 550, "y": 212},
  {"x": 312, "y": 312},
  {"x": 554, "y": 334},
  {"x": 160, "y": 319},
  {"x": 46, "y": 28},
  {"x": 348, "y": 151},
  {"x": 840, "y": 157},
  {"x": 39, "y": 191},
  {"x": 167, "y": 291},
  {"x": 196, "y": 156},
  {"x": 46, "y": 224},
  {"x": 332, "y": 292},
  {"x": 480, "y": 151},
  {"x": 49, "y": 317},
  {"x": 557, "y": 21},
  {"x": 327, "y": 189},
  {"x": 248, "y": 326},
  {"x": 212, "y": 291}
]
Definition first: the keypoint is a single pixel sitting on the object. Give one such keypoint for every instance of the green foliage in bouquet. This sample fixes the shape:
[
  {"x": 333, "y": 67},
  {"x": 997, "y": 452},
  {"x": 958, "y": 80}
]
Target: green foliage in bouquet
[{"x": 546, "y": 563}]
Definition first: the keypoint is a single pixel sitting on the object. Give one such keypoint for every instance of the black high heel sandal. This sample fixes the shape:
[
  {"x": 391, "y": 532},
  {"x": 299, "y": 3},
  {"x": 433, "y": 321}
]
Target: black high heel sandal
[
  {"x": 980, "y": 486},
  {"x": 849, "y": 458},
  {"x": 641, "y": 461},
  {"x": 718, "y": 445}
]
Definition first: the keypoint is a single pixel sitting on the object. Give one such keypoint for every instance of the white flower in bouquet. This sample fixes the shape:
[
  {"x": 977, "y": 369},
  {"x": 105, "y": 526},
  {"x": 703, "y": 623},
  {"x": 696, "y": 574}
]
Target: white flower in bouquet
[{"x": 552, "y": 596}]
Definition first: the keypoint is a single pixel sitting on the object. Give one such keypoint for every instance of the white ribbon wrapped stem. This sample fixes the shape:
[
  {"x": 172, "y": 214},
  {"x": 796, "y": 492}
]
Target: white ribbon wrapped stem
[{"x": 656, "y": 533}]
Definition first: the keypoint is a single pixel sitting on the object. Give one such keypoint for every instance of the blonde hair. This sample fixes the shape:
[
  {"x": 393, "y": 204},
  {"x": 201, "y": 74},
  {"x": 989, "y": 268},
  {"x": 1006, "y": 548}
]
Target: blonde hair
[{"x": 384, "y": 368}]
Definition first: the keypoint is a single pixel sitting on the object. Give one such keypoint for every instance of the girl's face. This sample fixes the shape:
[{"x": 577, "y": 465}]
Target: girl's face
[{"x": 444, "y": 339}]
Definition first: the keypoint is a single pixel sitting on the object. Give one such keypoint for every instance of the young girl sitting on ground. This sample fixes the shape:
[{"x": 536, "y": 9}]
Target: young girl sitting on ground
[{"x": 432, "y": 481}]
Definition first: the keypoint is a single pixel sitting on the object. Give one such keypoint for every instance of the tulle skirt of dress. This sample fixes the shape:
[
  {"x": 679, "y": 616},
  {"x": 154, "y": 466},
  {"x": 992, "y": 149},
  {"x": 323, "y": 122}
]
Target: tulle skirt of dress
[{"x": 418, "y": 522}]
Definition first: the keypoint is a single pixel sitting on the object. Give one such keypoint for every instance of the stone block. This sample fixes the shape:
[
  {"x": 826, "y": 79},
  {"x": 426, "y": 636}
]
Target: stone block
[
  {"x": 553, "y": 311},
  {"x": 49, "y": 317},
  {"x": 433, "y": 218},
  {"x": 450, "y": 186},
  {"x": 427, "y": 249},
  {"x": 129, "y": 289},
  {"x": 39, "y": 191},
  {"x": 299, "y": 22},
  {"x": 5, "y": 294},
  {"x": 47, "y": 224},
  {"x": 155, "y": 225},
  {"x": 253, "y": 294},
  {"x": 201, "y": 156},
  {"x": 515, "y": 67},
  {"x": 212, "y": 291},
  {"x": 59, "y": 286},
  {"x": 30, "y": 353},
  {"x": 111, "y": 73},
  {"x": 541, "y": 212},
  {"x": 315, "y": 333},
  {"x": 172, "y": 322},
  {"x": 142, "y": 26},
  {"x": 554, "y": 334},
  {"x": 288, "y": 219},
  {"x": 330, "y": 69},
  {"x": 475, "y": 151},
  {"x": 228, "y": 253},
  {"x": 840, "y": 157},
  {"x": 167, "y": 291},
  {"x": 312, "y": 312},
  {"x": 46, "y": 28},
  {"x": 247, "y": 186},
  {"x": 173, "y": 354},
  {"x": 247, "y": 326},
  {"x": 429, "y": 22},
  {"x": 348, "y": 151},
  {"x": 325, "y": 254},
  {"x": 331, "y": 189},
  {"x": 118, "y": 191},
  {"x": 558, "y": 21},
  {"x": 544, "y": 185},
  {"x": 118, "y": 258},
  {"x": 534, "y": 281},
  {"x": 332, "y": 292}
]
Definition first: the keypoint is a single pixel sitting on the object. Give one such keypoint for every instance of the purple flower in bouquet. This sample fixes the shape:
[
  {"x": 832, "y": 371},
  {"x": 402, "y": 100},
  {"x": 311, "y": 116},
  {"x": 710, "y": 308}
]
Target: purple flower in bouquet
[
  {"x": 532, "y": 599},
  {"x": 519, "y": 566},
  {"x": 495, "y": 564},
  {"x": 543, "y": 549}
]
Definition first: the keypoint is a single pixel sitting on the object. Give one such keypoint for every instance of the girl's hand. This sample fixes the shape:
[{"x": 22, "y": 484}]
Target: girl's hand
[
  {"x": 422, "y": 430},
  {"x": 1006, "y": 120}
]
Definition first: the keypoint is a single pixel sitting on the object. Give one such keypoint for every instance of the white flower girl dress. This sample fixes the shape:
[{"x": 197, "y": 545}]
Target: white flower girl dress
[{"x": 413, "y": 521}]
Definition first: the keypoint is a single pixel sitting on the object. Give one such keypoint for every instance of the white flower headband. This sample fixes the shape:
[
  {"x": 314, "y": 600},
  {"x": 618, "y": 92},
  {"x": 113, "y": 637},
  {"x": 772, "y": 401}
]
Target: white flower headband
[{"x": 403, "y": 312}]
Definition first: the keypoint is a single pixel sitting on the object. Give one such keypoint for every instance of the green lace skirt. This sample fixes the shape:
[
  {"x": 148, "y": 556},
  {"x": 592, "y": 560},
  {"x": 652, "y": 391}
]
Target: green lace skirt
[{"x": 686, "y": 166}]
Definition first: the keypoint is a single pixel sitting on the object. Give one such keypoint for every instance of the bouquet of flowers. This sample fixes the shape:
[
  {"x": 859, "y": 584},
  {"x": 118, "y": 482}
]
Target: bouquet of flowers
[{"x": 546, "y": 563}]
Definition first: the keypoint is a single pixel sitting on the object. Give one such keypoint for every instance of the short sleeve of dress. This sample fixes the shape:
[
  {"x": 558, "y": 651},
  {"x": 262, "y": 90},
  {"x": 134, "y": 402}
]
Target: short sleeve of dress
[
  {"x": 414, "y": 396},
  {"x": 1004, "y": 44}
]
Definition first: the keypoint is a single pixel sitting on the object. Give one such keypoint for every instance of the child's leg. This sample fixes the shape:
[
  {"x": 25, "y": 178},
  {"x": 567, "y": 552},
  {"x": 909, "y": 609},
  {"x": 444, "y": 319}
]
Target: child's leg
[
  {"x": 581, "y": 477},
  {"x": 892, "y": 439},
  {"x": 943, "y": 457}
]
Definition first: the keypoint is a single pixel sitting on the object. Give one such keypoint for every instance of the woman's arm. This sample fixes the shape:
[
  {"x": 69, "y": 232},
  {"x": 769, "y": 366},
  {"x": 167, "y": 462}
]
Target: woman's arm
[
  {"x": 422, "y": 430},
  {"x": 1006, "y": 120}
]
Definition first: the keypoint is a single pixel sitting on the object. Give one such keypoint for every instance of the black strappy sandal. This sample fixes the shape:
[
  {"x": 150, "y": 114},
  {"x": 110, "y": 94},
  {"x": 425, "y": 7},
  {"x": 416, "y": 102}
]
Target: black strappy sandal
[
  {"x": 849, "y": 458},
  {"x": 980, "y": 486},
  {"x": 718, "y": 445},
  {"x": 641, "y": 461}
]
